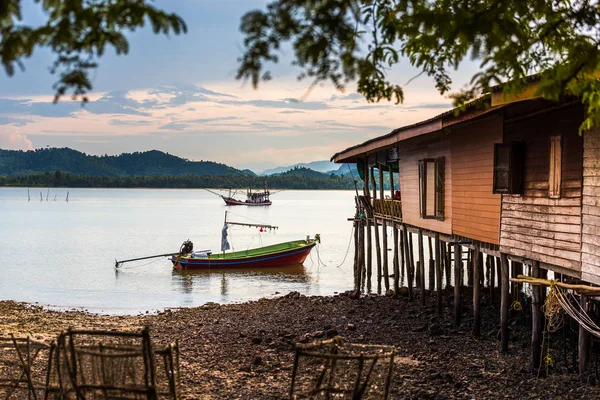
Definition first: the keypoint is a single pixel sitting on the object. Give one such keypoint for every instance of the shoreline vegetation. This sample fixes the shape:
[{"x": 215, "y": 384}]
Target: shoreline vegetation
[
  {"x": 246, "y": 350},
  {"x": 288, "y": 181}
]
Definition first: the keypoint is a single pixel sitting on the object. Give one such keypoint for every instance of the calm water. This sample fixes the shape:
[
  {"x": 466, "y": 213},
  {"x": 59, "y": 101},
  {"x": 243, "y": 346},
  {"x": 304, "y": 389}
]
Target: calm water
[{"x": 62, "y": 254}]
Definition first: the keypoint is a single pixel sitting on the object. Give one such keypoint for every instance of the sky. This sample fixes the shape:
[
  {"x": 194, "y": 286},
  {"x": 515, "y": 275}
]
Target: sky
[{"x": 179, "y": 95}]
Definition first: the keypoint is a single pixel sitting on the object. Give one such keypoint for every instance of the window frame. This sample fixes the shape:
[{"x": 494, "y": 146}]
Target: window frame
[
  {"x": 439, "y": 184},
  {"x": 516, "y": 154}
]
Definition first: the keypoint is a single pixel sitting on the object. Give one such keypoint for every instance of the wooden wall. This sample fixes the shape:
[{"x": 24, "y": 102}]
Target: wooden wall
[
  {"x": 590, "y": 251},
  {"x": 475, "y": 208},
  {"x": 533, "y": 225},
  {"x": 411, "y": 151}
]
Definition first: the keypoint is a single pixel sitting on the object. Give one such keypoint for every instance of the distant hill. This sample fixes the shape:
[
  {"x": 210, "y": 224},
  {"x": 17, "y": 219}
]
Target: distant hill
[
  {"x": 302, "y": 171},
  {"x": 343, "y": 170},
  {"x": 149, "y": 163},
  {"x": 319, "y": 166}
]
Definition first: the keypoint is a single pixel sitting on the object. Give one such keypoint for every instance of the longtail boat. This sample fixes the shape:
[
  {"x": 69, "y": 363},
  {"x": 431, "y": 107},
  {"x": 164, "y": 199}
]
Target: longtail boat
[
  {"x": 276, "y": 255},
  {"x": 284, "y": 254},
  {"x": 253, "y": 198}
]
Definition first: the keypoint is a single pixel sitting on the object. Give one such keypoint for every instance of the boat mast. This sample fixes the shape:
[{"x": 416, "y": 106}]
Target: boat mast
[{"x": 264, "y": 226}]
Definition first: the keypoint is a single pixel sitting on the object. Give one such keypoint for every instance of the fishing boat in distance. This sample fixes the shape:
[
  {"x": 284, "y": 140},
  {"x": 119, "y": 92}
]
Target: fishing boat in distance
[
  {"x": 253, "y": 198},
  {"x": 283, "y": 254}
]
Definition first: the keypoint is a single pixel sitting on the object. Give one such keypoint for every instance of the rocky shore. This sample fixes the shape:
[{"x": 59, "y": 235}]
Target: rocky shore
[{"x": 246, "y": 351}]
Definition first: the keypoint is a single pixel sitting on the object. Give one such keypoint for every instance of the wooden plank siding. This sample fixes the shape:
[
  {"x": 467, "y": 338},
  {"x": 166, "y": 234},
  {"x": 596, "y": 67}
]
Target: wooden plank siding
[
  {"x": 590, "y": 251},
  {"x": 475, "y": 208},
  {"x": 533, "y": 225},
  {"x": 411, "y": 151}
]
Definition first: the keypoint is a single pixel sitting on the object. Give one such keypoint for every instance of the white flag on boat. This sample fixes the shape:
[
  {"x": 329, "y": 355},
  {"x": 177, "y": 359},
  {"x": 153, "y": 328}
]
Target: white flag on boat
[{"x": 224, "y": 242}]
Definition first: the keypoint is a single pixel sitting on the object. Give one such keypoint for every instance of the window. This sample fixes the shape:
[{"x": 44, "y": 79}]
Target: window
[
  {"x": 431, "y": 188},
  {"x": 508, "y": 167},
  {"x": 555, "y": 177}
]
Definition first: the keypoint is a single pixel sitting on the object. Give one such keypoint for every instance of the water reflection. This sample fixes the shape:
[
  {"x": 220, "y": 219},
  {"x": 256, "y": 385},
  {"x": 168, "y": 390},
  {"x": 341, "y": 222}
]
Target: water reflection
[{"x": 190, "y": 281}]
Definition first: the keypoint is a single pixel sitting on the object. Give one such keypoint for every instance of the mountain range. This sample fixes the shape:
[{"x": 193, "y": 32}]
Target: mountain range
[{"x": 149, "y": 163}]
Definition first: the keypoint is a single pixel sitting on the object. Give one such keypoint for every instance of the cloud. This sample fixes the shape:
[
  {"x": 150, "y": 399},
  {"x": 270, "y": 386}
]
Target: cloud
[
  {"x": 434, "y": 105},
  {"x": 126, "y": 122},
  {"x": 11, "y": 139},
  {"x": 285, "y": 103},
  {"x": 12, "y": 121},
  {"x": 208, "y": 120},
  {"x": 175, "y": 126},
  {"x": 291, "y": 112}
]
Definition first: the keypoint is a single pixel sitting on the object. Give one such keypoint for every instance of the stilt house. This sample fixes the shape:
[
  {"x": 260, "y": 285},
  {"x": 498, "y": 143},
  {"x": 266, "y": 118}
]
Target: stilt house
[{"x": 509, "y": 176}]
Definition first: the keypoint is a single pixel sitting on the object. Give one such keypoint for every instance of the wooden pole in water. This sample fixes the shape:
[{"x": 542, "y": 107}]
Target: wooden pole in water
[
  {"x": 438, "y": 272},
  {"x": 356, "y": 251},
  {"x": 431, "y": 265},
  {"x": 367, "y": 193},
  {"x": 396, "y": 261},
  {"x": 498, "y": 271},
  {"x": 361, "y": 246},
  {"x": 584, "y": 342},
  {"x": 421, "y": 267},
  {"x": 536, "y": 319},
  {"x": 457, "y": 287},
  {"x": 476, "y": 291},
  {"x": 504, "y": 303},
  {"x": 402, "y": 256},
  {"x": 376, "y": 230},
  {"x": 386, "y": 273},
  {"x": 408, "y": 262}
]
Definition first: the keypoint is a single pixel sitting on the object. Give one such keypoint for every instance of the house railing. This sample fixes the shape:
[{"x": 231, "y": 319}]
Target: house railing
[{"x": 385, "y": 208}]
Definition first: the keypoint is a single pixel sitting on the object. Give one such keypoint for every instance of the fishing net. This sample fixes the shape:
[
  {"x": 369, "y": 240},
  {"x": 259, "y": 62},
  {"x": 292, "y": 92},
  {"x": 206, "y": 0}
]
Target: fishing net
[
  {"x": 332, "y": 369},
  {"x": 23, "y": 363}
]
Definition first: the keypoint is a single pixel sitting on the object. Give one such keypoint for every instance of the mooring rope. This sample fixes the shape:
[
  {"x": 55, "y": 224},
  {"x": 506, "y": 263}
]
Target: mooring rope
[{"x": 345, "y": 256}]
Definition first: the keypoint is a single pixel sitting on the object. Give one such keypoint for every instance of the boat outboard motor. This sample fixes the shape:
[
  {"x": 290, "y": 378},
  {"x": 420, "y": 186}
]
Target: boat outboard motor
[{"x": 187, "y": 247}]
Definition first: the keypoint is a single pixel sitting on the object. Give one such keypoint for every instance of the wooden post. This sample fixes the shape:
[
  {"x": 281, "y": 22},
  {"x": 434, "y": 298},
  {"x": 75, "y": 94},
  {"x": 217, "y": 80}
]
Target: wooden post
[
  {"x": 376, "y": 230},
  {"x": 442, "y": 261},
  {"x": 361, "y": 248},
  {"x": 438, "y": 272},
  {"x": 402, "y": 257},
  {"x": 536, "y": 319},
  {"x": 431, "y": 265},
  {"x": 448, "y": 248},
  {"x": 584, "y": 343},
  {"x": 492, "y": 261},
  {"x": 504, "y": 303},
  {"x": 412, "y": 258},
  {"x": 421, "y": 266},
  {"x": 457, "y": 288},
  {"x": 498, "y": 271},
  {"x": 396, "y": 261},
  {"x": 356, "y": 271},
  {"x": 369, "y": 255},
  {"x": 470, "y": 268},
  {"x": 408, "y": 262},
  {"x": 386, "y": 272},
  {"x": 476, "y": 291}
]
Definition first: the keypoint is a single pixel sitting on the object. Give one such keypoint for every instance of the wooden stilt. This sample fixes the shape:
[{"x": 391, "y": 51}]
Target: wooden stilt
[
  {"x": 536, "y": 320},
  {"x": 442, "y": 262},
  {"x": 421, "y": 266},
  {"x": 356, "y": 252},
  {"x": 448, "y": 248},
  {"x": 431, "y": 265},
  {"x": 369, "y": 255},
  {"x": 470, "y": 268},
  {"x": 408, "y": 262},
  {"x": 584, "y": 343},
  {"x": 361, "y": 248},
  {"x": 457, "y": 286},
  {"x": 386, "y": 272},
  {"x": 504, "y": 303},
  {"x": 498, "y": 271},
  {"x": 492, "y": 261},
  {"x": 376, "y": 231},
  {"x": 402, "y": 257},
  {"x": 481, "y": 271},
  {"x": 438, "y": 272},
  {"x": 396, "y": 261},
  {"x": 412, "y": 258},
  {"x": 476, "y": 291}
]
